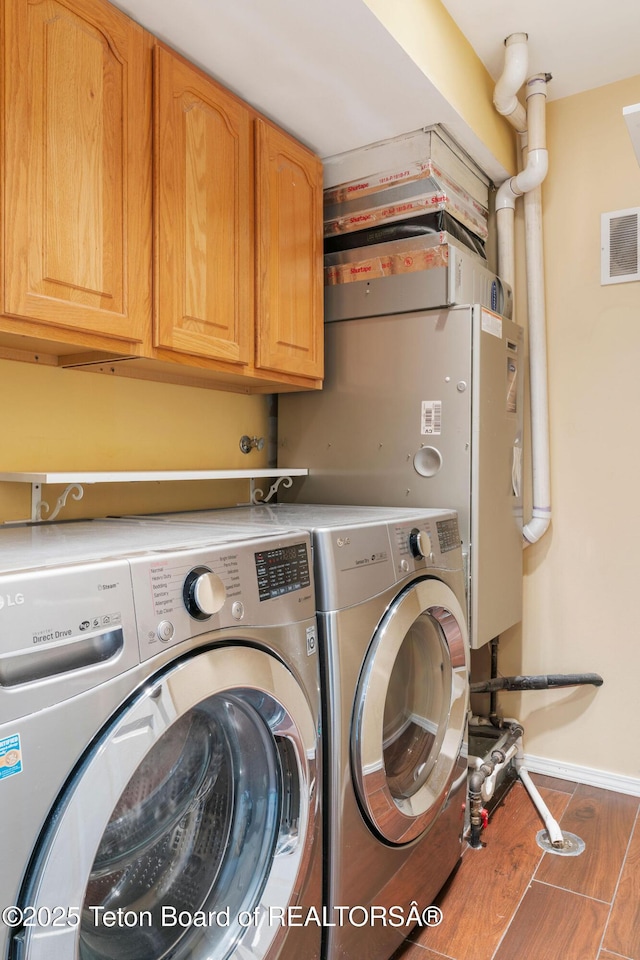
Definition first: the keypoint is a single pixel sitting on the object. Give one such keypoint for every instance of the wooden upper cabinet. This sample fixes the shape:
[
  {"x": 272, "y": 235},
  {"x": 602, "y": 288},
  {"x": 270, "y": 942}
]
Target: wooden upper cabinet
[
  {"x": 77, "y": 167},
  {"x": 203, "y": 218},
  {"x": 289, "y": 325}
]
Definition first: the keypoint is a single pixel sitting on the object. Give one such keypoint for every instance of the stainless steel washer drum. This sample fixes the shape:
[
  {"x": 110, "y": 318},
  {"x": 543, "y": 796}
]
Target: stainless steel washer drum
[{"x": 196, "y": 805}]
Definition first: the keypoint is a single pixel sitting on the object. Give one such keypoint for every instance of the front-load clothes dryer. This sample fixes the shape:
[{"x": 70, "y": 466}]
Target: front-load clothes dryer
[
  {"x": 159, "y": 743},
  {"x": 394, "y": 652}
]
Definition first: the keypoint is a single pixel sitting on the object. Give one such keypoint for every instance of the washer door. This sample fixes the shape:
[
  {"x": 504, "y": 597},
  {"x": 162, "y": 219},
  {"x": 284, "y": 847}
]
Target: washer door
[
  {"x": 191, "y": 819},
  {"x": 410, "y": 711}
]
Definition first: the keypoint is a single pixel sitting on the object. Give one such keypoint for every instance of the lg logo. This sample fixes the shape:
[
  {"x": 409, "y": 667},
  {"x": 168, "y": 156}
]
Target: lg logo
[
  {"x": 11, "y": 601},
  {"x": 343, "y": 541}
]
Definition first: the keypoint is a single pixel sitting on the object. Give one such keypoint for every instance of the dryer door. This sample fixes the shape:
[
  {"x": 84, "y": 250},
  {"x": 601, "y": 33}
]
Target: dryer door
[
  {"x": 188, "y": 823},
  {"x": 410, "y": 711}
]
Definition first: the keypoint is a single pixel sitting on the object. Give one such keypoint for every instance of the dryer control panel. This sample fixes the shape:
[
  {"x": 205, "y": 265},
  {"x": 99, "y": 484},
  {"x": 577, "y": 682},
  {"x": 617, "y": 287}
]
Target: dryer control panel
[
  {"x": 356, "y": 562},
  {"x": 436, "y": 541}
]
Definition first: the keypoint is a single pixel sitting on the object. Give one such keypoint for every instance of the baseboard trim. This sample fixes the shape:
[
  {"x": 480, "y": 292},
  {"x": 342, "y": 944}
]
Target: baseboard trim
[{"x": 571, "y": 771}]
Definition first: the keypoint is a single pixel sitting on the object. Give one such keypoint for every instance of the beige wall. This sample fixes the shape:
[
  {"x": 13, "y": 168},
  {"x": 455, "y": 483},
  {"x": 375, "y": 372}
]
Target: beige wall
[
  {"x": 581, "y": 580},
  {"x": 63, "y": 420}
]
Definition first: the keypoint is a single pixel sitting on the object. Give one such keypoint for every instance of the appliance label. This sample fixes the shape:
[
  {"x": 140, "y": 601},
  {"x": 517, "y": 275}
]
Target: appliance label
[
  {"x": 492, "y": 323},
  {"x": 431, "y": 418},
  {"x": 10, "y": 756},
  {"x": 312, "y": 641}
]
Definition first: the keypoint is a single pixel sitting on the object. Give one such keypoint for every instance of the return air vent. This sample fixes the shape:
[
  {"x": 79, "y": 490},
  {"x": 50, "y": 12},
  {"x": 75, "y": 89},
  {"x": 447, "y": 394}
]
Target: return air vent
[{"x": 620, "y": 246}]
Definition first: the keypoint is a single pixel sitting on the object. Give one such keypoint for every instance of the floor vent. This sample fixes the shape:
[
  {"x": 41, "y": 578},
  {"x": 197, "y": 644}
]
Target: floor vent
[{"x": 620, "y": 246}]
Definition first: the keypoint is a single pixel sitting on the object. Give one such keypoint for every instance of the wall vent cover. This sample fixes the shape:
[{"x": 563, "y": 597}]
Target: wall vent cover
[{"x": 620, "y": 246}]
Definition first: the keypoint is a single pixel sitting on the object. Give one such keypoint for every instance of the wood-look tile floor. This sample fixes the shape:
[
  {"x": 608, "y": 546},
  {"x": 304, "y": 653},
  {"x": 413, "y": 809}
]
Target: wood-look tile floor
[{"x": 512, "y": 901}]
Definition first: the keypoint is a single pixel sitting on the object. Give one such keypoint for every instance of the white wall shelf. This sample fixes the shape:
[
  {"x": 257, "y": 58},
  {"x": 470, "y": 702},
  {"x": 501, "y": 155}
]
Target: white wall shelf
[
  {"x": 148, "y": 476},
  {"x": 76, "y": 480}
]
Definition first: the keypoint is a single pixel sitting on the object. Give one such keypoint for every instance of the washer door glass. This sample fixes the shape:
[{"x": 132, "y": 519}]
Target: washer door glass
[
  {"x": 194, "y": 816},
  {"x": 410, "y": 714}
]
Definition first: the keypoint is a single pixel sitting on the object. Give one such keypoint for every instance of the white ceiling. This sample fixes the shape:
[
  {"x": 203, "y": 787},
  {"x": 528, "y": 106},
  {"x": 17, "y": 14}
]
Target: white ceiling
[
  {"x": 328, "y": 71},
  {"x": 583, "y": 44}
]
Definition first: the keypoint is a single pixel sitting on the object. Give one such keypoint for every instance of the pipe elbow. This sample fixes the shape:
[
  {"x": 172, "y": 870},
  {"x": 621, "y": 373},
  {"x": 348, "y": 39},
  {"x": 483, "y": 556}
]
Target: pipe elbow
[
  {"x": 507, "y": 195},
  {"x": 536, "y": 528},
  {"x": 534, "y": 172},
  {"x": 529, "y": 178},
  {"x": 514, "y": 72},
  {"x": 505, "y": 102},
  {"x": 513, "y": 76}
]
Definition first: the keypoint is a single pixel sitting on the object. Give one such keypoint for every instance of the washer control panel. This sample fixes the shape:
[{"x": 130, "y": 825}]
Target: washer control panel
[
  {"x": 282, "y": 570},
  {"x": 181, "y": 594}
]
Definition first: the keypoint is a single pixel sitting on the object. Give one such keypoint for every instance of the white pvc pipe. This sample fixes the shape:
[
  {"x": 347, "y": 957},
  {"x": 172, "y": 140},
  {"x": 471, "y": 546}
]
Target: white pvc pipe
[
  {"x": 538, "y": 525},
  {"x": 505, "y": 222},
  {"x": 535, "y": 169},
  {"x": 553, "y": 830},
  {"x": 514, "y": 74},
  {"x": 527, "y": 182}
]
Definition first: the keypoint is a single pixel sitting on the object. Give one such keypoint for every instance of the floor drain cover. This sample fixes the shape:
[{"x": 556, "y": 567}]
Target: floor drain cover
[{"x": 572, "y": 847}]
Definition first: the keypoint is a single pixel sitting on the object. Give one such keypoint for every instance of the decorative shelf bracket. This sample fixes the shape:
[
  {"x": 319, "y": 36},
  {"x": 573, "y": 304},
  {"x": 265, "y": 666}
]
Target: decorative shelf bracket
[
  {"x": 38, "y": 506},
  {"x": 258, "y": 495}
]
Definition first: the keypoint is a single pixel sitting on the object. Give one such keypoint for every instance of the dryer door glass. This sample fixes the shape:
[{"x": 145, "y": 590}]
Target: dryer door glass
[
  {"x": 196, "y": 814},
  {"x": 404, "y": 755},
  {"x": 416, "y": 707}
]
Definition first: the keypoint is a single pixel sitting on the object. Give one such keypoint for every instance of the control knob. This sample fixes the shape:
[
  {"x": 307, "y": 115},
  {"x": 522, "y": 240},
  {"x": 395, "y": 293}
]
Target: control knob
[
  {"x": 419, "y": 543},
  {"x": 203, "y": 593}
]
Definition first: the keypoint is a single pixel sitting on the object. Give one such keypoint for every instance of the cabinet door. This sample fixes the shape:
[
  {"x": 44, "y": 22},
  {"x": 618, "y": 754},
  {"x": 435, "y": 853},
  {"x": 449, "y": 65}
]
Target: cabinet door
[
  {"x": 77, "y": 172},
  {"x": 289, "y": 325},
  {"x": 203, "y": 218}
]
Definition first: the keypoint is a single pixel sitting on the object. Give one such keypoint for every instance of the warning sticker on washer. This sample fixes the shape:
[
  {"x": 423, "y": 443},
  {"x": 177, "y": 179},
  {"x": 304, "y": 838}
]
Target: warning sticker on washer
[
  {"x": 10, "y": 756},
  {"x": 431, "y": 420}
]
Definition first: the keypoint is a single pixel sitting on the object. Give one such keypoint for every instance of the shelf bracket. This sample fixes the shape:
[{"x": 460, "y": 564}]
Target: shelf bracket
[
  {"x": 259, "y": 496},
  {"x": 38, "y": 506}
]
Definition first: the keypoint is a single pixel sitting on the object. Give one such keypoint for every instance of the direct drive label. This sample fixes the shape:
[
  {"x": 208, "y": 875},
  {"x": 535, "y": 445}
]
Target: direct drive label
[
  {"x": 10, "y": 756},
  {"x": 431, "y": 418}
]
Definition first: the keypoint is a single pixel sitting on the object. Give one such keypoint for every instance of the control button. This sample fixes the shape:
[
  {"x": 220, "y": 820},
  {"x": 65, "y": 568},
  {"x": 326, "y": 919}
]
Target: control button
[
  {"x": 203, "y": 593},
  {"x": 404, "y": 566},
  {"x": 419, "y": 543},
  {"x": 165, "y": 630},
  {"x": 237, "y": 610}
]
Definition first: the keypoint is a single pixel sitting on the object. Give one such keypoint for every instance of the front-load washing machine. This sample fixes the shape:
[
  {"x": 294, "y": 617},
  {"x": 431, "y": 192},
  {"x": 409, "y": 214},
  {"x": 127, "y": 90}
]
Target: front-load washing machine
[
  {"x": 159, "y": 743},
  {"x": 394, "y": 653}
]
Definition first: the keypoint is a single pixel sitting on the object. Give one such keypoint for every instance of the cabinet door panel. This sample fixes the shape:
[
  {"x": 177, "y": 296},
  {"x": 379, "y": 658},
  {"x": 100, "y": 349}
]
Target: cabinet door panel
[
  {"x": 289, "y": 224},
  {"x": 78, "y": 167},
  {"x": 203, "y": 215}
]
